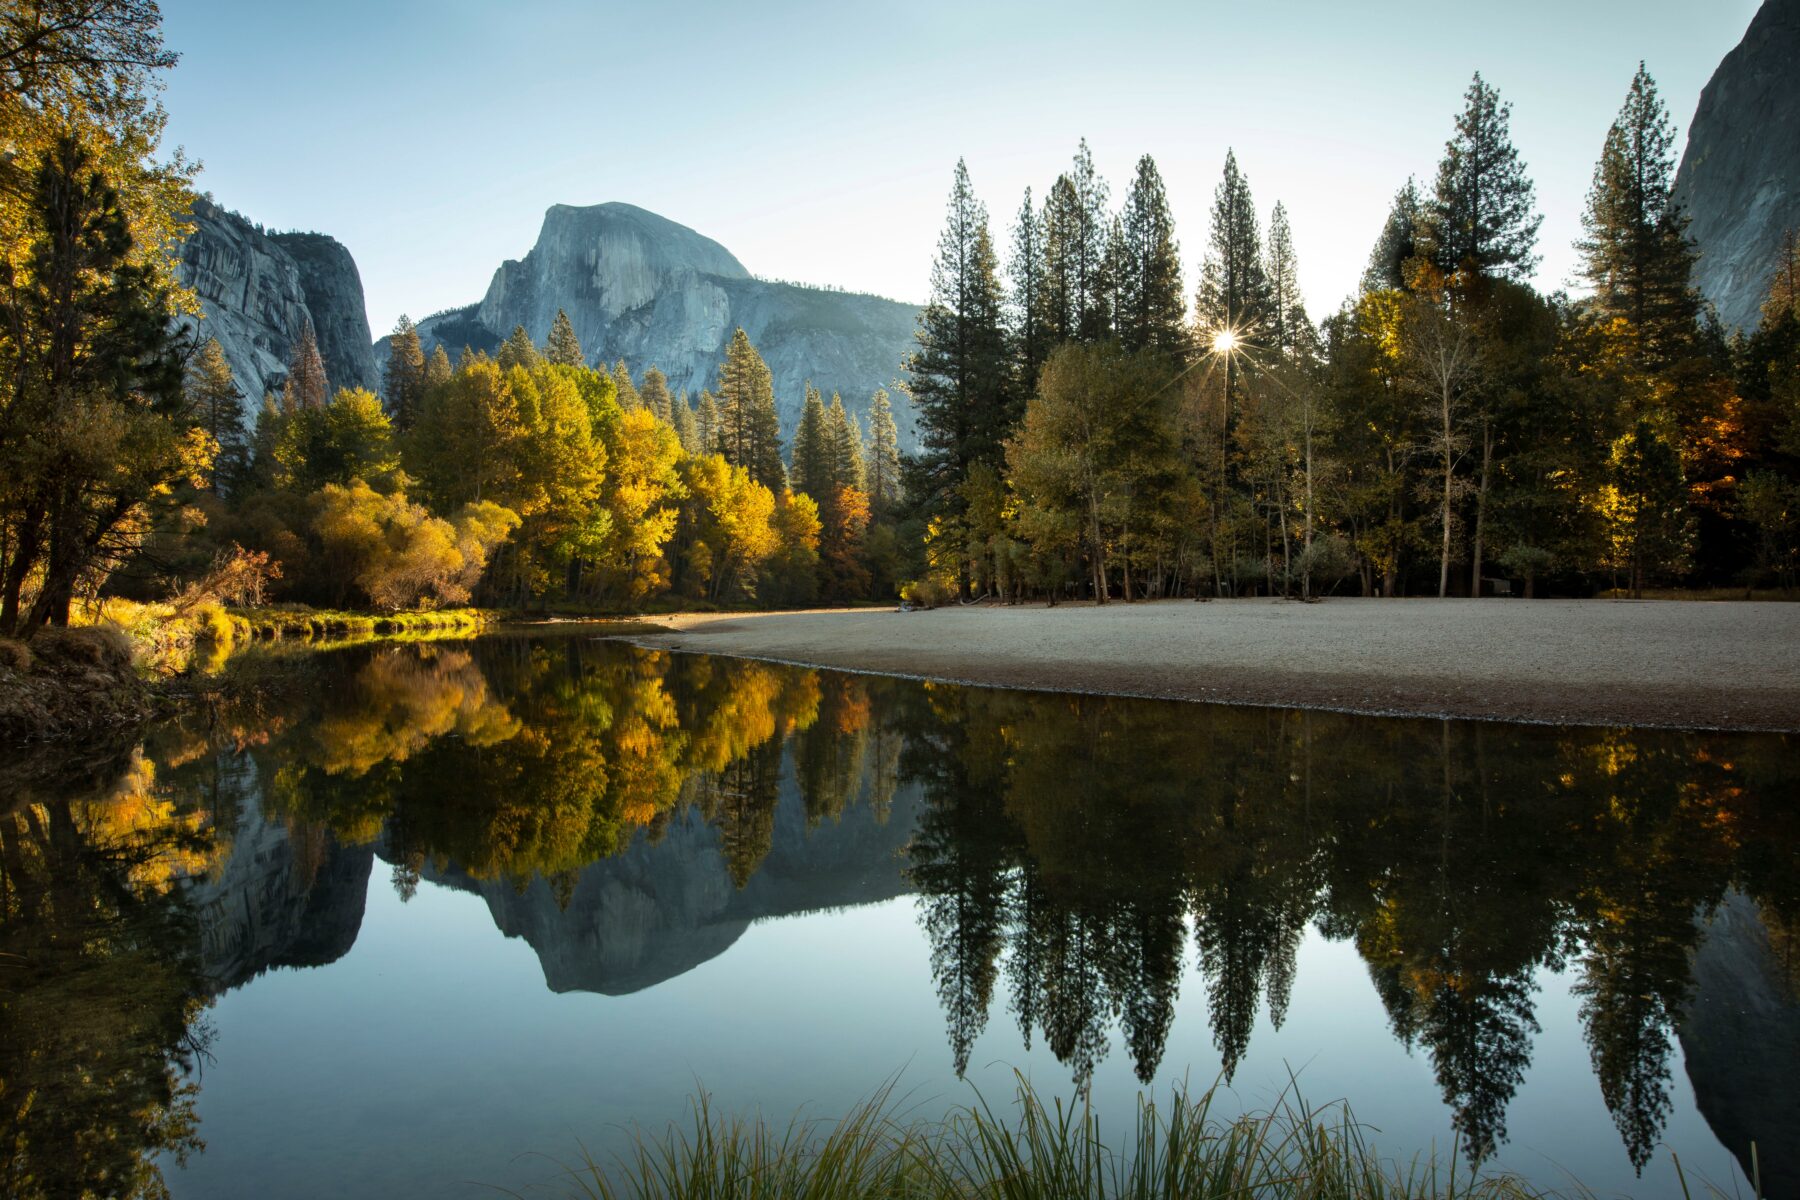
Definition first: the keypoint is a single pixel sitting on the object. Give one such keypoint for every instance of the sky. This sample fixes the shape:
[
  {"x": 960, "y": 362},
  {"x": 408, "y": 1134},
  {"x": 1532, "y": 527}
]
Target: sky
[{"x": 816, "y": 141}]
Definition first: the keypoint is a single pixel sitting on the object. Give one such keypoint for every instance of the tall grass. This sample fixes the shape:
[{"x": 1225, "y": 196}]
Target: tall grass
[
  {"x": 1037, "y": 1151},
  {"x": 171, "y": 640}
]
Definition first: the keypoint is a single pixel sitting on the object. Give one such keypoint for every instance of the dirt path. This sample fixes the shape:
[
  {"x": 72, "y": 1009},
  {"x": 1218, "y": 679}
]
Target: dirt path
[{"x": 1664, "y": 663}]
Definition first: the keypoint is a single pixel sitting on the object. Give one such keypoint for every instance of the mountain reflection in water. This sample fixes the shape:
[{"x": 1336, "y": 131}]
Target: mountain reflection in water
[{"x": 631, "y": 813}]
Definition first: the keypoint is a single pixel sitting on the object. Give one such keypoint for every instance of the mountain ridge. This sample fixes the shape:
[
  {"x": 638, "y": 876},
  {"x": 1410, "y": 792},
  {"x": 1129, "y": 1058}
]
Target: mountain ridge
[{"x": 640, "y": 287}]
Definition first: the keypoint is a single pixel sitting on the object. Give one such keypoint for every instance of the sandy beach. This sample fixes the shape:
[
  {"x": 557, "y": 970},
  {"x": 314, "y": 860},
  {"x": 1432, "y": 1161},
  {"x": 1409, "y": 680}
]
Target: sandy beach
[{"x": 1606, "y": 662}]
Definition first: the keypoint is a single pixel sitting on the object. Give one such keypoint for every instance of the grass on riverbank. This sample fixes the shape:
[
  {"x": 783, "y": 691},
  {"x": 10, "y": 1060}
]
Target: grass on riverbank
[
  {"x": 1051, "y": 1151},
  {"x": 171, "y": 640},
  {"x": 121, "y": 661}
]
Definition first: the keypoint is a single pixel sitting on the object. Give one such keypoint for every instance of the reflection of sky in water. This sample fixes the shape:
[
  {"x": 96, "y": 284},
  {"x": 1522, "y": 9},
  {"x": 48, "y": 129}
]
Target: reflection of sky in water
[{"x": 432, "y": 1057}]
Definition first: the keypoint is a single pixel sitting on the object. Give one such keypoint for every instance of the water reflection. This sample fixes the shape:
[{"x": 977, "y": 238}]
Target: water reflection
[
  {"x": 101, "y": 992},
  {"x": 1078, "y": 861}
]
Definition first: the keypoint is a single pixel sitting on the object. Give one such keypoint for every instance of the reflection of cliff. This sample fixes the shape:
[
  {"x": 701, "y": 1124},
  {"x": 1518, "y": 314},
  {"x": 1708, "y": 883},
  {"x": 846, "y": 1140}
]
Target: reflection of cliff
[
  {"x": 661, "y": 909},
  {"x": 288, "y": 896},
  {"x": 1741, "y": 1037}
]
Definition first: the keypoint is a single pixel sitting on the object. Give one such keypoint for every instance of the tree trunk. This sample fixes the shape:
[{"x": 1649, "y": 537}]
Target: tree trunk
[
  {"x": 1100, "y": 596},
  {"x": 1487, "y": 462},
  {"x": 1449, "y": 479},
  {"x": 1306, "y": 573}
]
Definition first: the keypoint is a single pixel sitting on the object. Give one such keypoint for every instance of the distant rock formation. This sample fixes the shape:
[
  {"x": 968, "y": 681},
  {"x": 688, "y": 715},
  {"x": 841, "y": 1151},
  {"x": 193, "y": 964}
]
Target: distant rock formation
[
  {"x": 642, "y": 288},
  {"x": 1740, "y": 174},
  {"x": 1740, "y": 1037},
  {"x": 257, "y": 291},
  {"x": 285, "y": 897},
  {"x": 660, "y": 909}
]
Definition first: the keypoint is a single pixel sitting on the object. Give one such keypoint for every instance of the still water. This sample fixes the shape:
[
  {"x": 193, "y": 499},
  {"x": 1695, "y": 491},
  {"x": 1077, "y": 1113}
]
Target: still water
[{"x": 438, "y": 916}]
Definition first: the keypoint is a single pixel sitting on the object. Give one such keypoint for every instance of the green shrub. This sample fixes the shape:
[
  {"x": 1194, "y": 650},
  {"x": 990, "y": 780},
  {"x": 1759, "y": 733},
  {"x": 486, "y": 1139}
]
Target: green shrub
[{"x": 925, "y": 593}]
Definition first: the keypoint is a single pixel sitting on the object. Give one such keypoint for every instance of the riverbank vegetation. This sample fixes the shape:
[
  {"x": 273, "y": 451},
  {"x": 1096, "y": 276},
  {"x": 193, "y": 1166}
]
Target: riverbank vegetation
[{"x": 1038, "y": 1148}]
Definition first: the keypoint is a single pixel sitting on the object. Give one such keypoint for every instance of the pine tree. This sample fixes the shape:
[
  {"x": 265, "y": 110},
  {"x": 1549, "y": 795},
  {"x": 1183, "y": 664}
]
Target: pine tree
[
  {"x": 218, "y": 408},
  {"x": 1093, "y": 292},
  {"x": 1784, "y": 286},
  {"x": 655, "y": 396},
  {"x": 403, "y": 380},
  {"x": 518, "y": 350},
  {"x": 1151, "y": 312},
  {"x": 563, "y": 348},
  {"x": 1635, "y": 252},
  {"x": 749, "y": 427},
  {"x": 1481, "y": 217},
  {"x": 881, "y": 457},
  {"x": 1397, "y": 245},
  {"x": 306, "y": 386},
  {"x": 1060, "y": 226},
  {"x": 1234, "y": 292},
  {"x": 812, "y": 471},
  {"x": 437, "y": 367},
  {"x": 1281, "y": 267},
  {"x": 1025, "y": 303},
  {"x": 706, "y": 424},
  {"x": 687, "y": 426},
  {"x": 958, "y": 373},
  {"x": 628, "y": 393},
  {"x": 843, "y": 441}
]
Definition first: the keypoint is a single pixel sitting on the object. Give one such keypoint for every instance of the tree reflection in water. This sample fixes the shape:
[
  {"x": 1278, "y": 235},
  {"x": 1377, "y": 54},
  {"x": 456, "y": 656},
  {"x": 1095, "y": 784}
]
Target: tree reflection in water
[
  {"x": 1073, "y": 853},
  {"x": 1072, "y": 842}
]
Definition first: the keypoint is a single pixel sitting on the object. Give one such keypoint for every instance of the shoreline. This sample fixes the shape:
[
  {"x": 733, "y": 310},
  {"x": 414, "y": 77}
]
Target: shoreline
[{"x": 1655, "y": 664}]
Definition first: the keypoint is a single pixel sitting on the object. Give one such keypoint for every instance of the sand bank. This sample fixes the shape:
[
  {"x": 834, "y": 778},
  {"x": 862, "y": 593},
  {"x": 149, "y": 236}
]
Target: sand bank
[{"x": 1661, "y": 663}]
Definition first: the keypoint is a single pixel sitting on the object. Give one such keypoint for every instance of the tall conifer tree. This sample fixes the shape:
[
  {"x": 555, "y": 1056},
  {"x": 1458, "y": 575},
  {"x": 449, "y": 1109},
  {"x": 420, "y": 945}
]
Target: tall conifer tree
[
  {"x": 563, "y": 348},
  {"x": 881, "y": 457},
  {"x": 437, "y": 367},
  {"x": 518, "y": 350},
  {"x": 1397, "y": 244},
  {"x": 1060, "y": 296},
  {"x": 218, "y": 407},
  {"x": 627, "y": 391},
  {"x": 1234, "y": 291},
  {"x": 1026, "y": 301},
  {"x": 1151, "y": 311},
  {"x": 403, "y": 379},
  {"x": 1482, "y": 215},
  {"x": 959, "y": 373},
  {"x": 687, "y": 425},
  {"x": 844, "y": 440},
  {"x": 1281, "y": 267},
  {"x": 706, "y": 424},
  {"x": 655, "y": 395},
  {"x": 749, "y": 427},
  {"x": 1635, "y": 251},
  {"x": 306, "y": 386},
  {"x": 1093, "y": 287},
  {"x": 812, "y": 471}
]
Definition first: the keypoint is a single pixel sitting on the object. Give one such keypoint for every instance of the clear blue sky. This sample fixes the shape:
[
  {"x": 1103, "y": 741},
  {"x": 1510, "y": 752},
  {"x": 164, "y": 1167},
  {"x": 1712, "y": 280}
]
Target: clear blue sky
[{"x": 816, "y": 140}]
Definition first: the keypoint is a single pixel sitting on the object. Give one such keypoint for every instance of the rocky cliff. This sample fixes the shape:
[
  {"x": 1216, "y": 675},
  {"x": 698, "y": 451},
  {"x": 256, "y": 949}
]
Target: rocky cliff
[
  {"x": 1740, "y": 174},
  {"x": 285, "y": 898},
  {"x": 257, "y": 291},
  {"x": 642, "y": 288},
  {"x": 661, "y": 909},
  {"x": 1740, "y": 1036}
]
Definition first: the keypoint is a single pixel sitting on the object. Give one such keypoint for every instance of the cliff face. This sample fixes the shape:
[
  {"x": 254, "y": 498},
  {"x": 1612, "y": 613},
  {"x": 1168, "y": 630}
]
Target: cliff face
[
  {"x": 1740, "y": 1036},
  {"x": 284, "y": 898},
  {"x": 640, "y": 287},
  {"x": 257, "y": 291},
  {"x": 334, "y": 296},
  {"x": 1740, "y": 174},
  {"x": 659, "y": 910}
]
